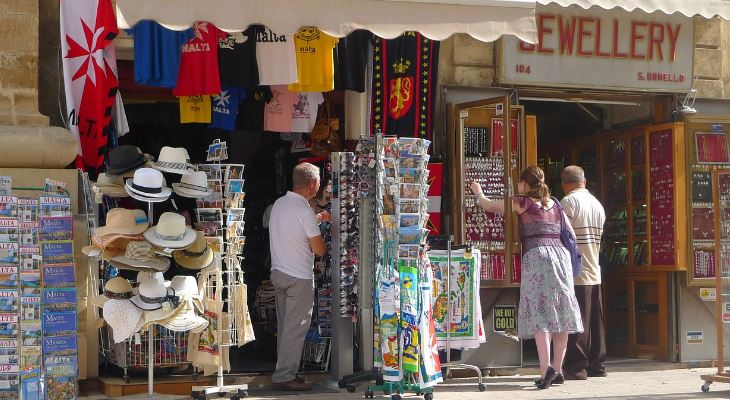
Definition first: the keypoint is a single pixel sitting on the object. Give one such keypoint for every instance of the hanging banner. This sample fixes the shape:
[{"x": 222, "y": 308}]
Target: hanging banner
[
  {"x": 405, "y": 72},
  {"x": 464, "y": 319},
  {"x": 89, "y": 74}
]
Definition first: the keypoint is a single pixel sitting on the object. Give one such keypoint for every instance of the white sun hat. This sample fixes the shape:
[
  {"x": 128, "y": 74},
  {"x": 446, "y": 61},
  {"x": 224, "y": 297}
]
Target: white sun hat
[
  {"x": 171, "y": 232},
  {"x": 123, "y": 317},
  {"x": 152, "y": 294},
  {"x": 193, "y": 184},
  {"x": 148, "y": 185},
  {"x": 175, "y": 160}
]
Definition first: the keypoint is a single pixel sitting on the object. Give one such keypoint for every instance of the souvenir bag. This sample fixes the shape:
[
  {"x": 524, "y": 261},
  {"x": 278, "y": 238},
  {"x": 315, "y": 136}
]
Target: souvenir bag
[
  {"x": 568, "y": 239},
  {"x": 325, "y": 135}
]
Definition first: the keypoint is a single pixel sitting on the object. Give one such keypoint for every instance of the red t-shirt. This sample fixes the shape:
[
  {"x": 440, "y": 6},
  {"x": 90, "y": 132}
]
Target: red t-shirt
[{"x": 198, "y": 73}]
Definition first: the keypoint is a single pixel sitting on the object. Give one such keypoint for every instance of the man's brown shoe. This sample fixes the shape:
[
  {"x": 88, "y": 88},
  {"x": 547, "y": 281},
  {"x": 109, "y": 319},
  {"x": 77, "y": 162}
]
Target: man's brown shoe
[{"x": 292, "y": 386}]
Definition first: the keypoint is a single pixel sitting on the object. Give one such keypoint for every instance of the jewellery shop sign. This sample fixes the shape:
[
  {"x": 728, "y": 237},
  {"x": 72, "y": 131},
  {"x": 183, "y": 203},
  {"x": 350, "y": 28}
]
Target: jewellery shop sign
[{"x": 604, "y": 49}]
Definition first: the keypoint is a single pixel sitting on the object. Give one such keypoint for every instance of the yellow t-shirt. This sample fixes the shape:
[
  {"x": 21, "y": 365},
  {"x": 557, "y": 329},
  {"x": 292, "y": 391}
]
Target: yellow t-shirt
[
  {"x": 195, "y": 109},
  {"x": 315, "y": 62}
]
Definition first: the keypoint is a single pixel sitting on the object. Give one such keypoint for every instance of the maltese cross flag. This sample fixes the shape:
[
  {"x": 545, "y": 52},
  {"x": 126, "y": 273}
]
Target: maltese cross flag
[{"x": 89, "y": 72}]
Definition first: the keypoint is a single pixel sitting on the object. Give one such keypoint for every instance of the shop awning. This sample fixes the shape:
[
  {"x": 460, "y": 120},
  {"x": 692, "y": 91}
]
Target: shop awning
[
  {"x": 705, "y": 8},
  {"x": 485, "y": 20}
]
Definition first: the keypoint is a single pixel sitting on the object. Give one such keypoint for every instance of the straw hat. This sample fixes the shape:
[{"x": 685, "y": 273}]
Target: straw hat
[
  {"x": 198, "y": 256},
  {"x": 194, "y": 184},
  {"x": 121, "y": 221},
  {"x": 116, "y": 288},
  {"x": 171, "y": 232},
  {"x": 110, "y": 185},
  {"x": 123, "y": 317},
  {"x": 139, "y": 255},
  {"x": 184, "y": 318}
]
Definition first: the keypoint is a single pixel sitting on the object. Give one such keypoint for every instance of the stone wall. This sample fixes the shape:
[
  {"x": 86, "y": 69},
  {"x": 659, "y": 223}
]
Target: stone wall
[
  {"x": 711, "y": 42},
  {"x": 19, "y": 63}
]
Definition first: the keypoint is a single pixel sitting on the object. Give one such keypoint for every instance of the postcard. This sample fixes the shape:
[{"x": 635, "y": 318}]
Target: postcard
[
  {"x": 55, "y": 206},
  {"x": 209, "y": 228},
  {"x": 9, "y": 355},
  {"x": 408, "y": 250},
  {"x": 408, "y": 220},
  {"x": 59, "y": 276},
  {"x": 31, "y": 333},
  {"x": 30, "y": 280},
  {"x": 8, "y": 277},
  {"x": 234, "y": 186},
  {"x": 59, "y": 323},
  {"x": 9, "y": 325},
  {"x": 235, "y": 229},
  {"x": 30, "y": 310},
  {"x": 235, "y": 200},
  {"x": 411, "y": 191},
  {"x": 28, "y": 209},
  {"x": 212, "y": 171},
  {"x": 8, "y": 207},
  {"x": 215, "y": 243},
  {"x": 9, "y": 230},
  {"x": 234, "y": 171},
  {"x": 8, "y": 301},
  {"x": 235, "y": 214},
  {"x": 59, "y": 300},
  {"x": 56, "y": 229},
  {"x": 6, "y": 185},
  {"x": 28, "y": 233},
  {"x": 217, "y": 151},
  {"x": 57, "y": 252},
  {"x": 210, "y": 215}
]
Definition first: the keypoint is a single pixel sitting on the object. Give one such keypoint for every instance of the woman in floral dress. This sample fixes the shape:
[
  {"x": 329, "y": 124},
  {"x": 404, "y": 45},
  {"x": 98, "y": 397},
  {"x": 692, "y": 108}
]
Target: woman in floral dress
[{"x": 548, "y": 308}]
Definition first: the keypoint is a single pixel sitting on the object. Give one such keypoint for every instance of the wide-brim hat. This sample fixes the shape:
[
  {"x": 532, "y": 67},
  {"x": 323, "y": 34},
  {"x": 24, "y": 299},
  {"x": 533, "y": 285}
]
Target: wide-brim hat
[
  {"x": 140, "y": 255},
  {"x": 153, "y": 294},
  {"x": 185, "y": 320},
  {"x": 121, "y": 221},
  {"x": 165, "y": 311},
  {"x": 175, "y": 160},
  {"x": 197, "y": 256},
  {"x": 148, "y": 184},
  {"x": 123, "y": 159},
  {"x": 110, "y": 185},
  {"x": 171, "y": 232},
  {"x": 187, "y": 288},
  {"x": 123, "y": 317},
  {"x": 194, "y": 184},
  {"x": 116, "y": 288}
]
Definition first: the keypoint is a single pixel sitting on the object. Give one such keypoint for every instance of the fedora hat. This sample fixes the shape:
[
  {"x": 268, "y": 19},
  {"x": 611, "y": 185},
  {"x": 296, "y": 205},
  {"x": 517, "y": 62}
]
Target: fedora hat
[
  {"x": 197, "y": 256},
  {"x": 148, "y": 185},
  {"x": 121, "y": 221},
  {"x": 123, "y": 317},
  {"x": 110, "y": 185},
  {"x": 171, "y": 232},
  {"x": 116, "y": 288},
  {"x": 140, "y": 255},
  {"x": 174, "y": 160},
  {"x": 124, "y": 158},
  {"x": 193, "y": 184},
  {"x": 152, "y": 294}
]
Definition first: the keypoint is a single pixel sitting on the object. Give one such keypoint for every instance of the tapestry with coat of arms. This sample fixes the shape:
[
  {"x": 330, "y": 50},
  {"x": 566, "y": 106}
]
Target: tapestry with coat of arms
[{"x": 405, "y": 76}]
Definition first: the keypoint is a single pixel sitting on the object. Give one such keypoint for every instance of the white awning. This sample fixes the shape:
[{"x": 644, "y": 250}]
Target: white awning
[
  {"x": 705, "y": 8},
  {"x": 485, "y": 20}
]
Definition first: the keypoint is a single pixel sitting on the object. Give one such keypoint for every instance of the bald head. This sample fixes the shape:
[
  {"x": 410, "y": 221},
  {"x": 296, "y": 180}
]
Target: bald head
[{"x": 573, "y": 178}]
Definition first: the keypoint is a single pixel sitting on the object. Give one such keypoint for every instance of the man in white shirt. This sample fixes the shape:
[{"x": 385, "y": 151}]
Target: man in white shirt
[
  {"x": 586, "y": 351},
  {"x": 294, "y": 240}
]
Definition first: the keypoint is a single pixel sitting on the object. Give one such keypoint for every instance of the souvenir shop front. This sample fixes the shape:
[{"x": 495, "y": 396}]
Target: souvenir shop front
[
  {"x": 215, "y": 111},
  {"x": 612, "y": 98}
]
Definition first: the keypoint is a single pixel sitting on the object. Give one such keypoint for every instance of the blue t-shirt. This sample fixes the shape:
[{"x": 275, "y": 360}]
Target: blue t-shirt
[
  {"x": 157, "y": 53},
  {"x": 225, "y": 107}
]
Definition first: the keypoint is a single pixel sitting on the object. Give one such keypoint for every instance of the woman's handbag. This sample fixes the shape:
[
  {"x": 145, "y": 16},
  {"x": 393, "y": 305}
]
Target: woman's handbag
[
  {"x": 325, "y": 135},
  {"x": 568, "y": 239}
]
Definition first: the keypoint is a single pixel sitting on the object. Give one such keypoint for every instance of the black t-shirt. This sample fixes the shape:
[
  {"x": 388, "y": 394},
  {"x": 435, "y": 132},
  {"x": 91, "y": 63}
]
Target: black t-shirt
[
  {"x": 351, "y": 57},
  {"x": 251, "y": 111},
  {"x": 237, "y": 59}
]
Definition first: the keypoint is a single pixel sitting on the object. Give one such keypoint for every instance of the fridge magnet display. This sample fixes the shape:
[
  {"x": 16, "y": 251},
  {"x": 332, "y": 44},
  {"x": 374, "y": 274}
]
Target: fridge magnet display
[
  {"x": 8, "y": 207},
  {"x": 711, "y": 148},
  {"x": 703, "y": 263}
]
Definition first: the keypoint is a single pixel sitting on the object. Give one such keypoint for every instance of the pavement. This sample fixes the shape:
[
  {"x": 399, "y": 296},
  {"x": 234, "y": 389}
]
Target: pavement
[{"x": 663, "y": 384}]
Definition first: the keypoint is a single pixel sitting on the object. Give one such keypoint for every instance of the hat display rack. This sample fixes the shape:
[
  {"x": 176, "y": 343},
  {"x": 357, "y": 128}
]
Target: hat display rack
[{"x": 220, "y": 215}]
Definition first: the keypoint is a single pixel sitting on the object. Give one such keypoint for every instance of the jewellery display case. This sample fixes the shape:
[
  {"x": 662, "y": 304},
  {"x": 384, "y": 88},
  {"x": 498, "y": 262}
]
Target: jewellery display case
[
  {"x": 707, "y": 151},
  {"x": 480, "y": 151}
]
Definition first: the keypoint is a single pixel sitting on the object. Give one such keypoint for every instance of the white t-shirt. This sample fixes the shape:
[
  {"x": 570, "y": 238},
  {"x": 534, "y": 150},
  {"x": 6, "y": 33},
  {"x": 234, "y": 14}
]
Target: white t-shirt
[
  {"x": 291, "y": 225},
  {"x": 304, "y": 115},
  {"x": 587, "y": 216},
  {"x": 276, "y": 58}
]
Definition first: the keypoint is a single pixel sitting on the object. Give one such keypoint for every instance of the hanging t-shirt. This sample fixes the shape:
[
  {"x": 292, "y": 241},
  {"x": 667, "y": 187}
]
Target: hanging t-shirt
[
  {"x": 251, "y": 112},
  {"x": 195, "y": 109},
  {"x": 237, "y": 59},
  {"x": 157, "y": 53},
  {"x": 199, "y": 63},
  {"x": 315, "y": 62},
  {"x": 225, "y": 107},
  {"x": 351, "y": 59},
  {"x": 304, "y": 114},
  {"x": 278, "y": 112},
  {"x": 276, "y": 56}
]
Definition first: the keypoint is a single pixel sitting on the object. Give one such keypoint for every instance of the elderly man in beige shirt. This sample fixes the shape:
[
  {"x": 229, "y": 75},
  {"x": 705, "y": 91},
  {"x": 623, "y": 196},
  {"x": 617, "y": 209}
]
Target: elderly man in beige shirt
[{"x": 586, "y": 352}]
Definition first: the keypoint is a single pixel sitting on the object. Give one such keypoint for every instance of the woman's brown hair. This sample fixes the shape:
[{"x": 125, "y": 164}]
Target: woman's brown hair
[{"x": 535, "y": 180}]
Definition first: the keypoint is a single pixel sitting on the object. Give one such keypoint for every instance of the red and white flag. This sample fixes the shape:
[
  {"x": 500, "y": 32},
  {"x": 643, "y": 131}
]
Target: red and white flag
[{"x": 90, "y": 74}]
